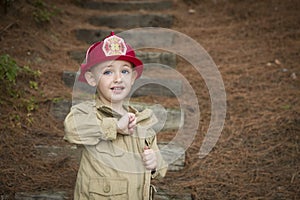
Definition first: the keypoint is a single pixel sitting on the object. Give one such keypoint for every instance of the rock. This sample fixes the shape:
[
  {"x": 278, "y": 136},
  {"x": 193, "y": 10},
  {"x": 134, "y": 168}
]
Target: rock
[
  {"x": 277, "y": 62},
  {"x": 44, "y": 195},
  {"x": 132, "y": 20},
  {"x": 173, "y": 154},
  {"x": 146, "y": 86},
  {"x": 78, "y": 56},
  {"x": 60, "y": 109},
  {"x": 91, "y": 36},
  {"x": 137, "y": 38},
  {"x": 294, "y": 76},
  {"x": 48, "y": 152},
  {"x": 191, "y": 11},
  {"x": 168, "y": 195},
  {"x": 129, "y": 5},
  {"x": 69, "y": 78},
  {"x": 164, "y": 58},
  {"x": 62, "y": 195},
  {"x": 169, "y": 119}
]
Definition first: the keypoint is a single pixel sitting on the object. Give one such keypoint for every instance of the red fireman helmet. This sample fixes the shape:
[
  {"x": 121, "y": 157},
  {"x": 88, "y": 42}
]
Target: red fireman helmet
[{"x": 111, "y": 48}]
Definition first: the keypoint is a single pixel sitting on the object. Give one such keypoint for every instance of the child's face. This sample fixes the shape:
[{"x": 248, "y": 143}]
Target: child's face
[{"x": 113, "y": 79}]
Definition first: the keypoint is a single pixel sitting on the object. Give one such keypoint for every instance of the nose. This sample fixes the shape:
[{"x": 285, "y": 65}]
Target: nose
[{"x": 118, "y": 77}]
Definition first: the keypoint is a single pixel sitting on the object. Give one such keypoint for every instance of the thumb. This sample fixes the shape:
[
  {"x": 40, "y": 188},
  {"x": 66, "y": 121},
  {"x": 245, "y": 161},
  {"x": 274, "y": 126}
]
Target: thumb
[
  {"x": 146, "y": 148},
  {"x": 123, "y": 122}
]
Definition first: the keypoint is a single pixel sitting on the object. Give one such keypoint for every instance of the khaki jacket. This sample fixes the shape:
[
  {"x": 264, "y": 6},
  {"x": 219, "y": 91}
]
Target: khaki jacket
[{"x": 111, "y": 166}]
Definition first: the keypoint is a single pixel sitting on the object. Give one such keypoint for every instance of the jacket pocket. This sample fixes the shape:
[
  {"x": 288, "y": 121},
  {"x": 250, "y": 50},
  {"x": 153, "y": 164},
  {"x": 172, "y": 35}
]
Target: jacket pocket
[{"x": 108, "y": 188}]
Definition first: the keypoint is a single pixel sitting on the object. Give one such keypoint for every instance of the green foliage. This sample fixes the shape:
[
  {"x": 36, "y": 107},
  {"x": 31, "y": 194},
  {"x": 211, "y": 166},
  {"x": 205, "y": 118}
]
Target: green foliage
[
  {"x": 57, "y": 99},
  {"x": 43, "y": 12},
  {"x": 8, "y": 74},
  {"x": 30, "y": 104},
  {"x": 30, "y": 72},
  {"x": 8, "y": 70},
  {"x": 19, "y": 87},
  {"x": 286, "y": 107},
  {"x": 15, "y": 119},
  {"x": 33, "y": 85}
]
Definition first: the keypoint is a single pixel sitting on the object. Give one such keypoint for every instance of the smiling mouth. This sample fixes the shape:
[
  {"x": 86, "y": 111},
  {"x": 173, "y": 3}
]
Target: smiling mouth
[{"x": 117, "y": 88}]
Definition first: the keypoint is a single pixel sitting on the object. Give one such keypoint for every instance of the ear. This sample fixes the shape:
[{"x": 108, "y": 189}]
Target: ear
[
  {"x": 134, "y": 75},
  {"x": 90, "y": 78}
]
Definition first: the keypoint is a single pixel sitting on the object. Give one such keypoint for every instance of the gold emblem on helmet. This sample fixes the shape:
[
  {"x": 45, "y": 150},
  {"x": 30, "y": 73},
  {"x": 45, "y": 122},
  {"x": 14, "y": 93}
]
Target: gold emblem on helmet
[{"x": 113, "y": 46}]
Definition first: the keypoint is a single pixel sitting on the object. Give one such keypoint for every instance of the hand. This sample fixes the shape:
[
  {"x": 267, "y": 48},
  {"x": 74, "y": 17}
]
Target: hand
[
  {"x": 149, "y": 158},
  {"x": 132, "y": 122},
  {"x": 126, "y": 124}
]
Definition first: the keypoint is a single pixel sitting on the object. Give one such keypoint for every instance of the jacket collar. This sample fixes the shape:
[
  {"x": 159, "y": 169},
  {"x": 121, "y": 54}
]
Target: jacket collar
[{"x": 108, "y": 111}]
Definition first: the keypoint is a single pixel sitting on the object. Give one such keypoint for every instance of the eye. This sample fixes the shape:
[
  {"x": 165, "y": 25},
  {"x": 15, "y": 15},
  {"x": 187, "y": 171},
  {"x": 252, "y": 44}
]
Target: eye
[
  {"x": 125, "y": 71},
  {"x": 107, "y": 72}
]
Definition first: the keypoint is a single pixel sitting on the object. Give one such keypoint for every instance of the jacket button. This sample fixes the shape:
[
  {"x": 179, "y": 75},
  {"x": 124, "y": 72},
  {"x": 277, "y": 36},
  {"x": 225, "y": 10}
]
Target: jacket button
[{"x": 106, "y": 188}]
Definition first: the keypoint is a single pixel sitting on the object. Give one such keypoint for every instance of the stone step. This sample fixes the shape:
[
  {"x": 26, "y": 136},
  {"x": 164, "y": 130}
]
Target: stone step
[
  {"x": 60, "y": 108},
  {"x": 91, "y": 36},
  {"x": 172, "y": 152},
  {"x": 127, "y": 21},
  {"x": 129, "y": 5},
  {"x": 138, "y": 38},
  {"x": 48, "y": 152},
  {"x": 62, "y": 195},
  {"x": 164, "y": 58},
  {"x": 167, "y": 195},
  {"x": 169, "y": 119},
  {"x": 43, "y": 195},
  {"x": 144, "y": 86}
]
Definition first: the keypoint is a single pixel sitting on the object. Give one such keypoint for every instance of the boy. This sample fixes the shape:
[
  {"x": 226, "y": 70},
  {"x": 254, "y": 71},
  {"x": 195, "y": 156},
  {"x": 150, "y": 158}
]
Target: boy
[{"x": 121, "y": 154}]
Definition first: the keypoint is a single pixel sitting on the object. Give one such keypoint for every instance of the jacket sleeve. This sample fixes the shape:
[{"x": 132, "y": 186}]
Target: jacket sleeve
[{"x": 84, "y": 125}]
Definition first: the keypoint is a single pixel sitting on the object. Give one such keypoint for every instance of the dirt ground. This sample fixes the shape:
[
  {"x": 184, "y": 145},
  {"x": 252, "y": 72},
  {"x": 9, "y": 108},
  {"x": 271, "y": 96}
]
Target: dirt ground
[{"x": 255, "y": 44}]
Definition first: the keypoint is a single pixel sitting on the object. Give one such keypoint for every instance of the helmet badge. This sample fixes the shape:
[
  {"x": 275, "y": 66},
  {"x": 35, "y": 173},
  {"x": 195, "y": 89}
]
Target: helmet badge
[{"x": 113, "y": 46}]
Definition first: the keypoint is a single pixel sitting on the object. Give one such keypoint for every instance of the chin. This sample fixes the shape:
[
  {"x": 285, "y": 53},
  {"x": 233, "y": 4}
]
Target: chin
[{"x": 117, "y": 99}]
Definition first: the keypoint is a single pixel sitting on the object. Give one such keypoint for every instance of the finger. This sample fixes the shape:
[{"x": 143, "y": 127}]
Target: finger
[
  {"x": 145, "y": 157},
  {"x": 131, "y": 131},
  {"x": 148, "y": 151},
  {"x": 151, "y": 166},
  {"x": 150, "y": 162},
  {"x": 131, "y": 116},
  {"x": 131, "y": 125},
  {"x": 132, "y": 120},
  {"x": 149, "y": 158}
]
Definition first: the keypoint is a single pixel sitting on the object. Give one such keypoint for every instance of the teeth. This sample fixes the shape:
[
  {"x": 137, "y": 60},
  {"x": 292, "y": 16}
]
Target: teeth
[{"x": 117, "y": 88}]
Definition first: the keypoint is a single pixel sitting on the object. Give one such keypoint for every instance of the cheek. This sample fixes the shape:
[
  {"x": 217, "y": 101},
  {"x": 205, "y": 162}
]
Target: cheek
[
  {"x": 102, "y": 84},
  {"x": 129, "y": 80},
  {"x": 133, "y": 77}
]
